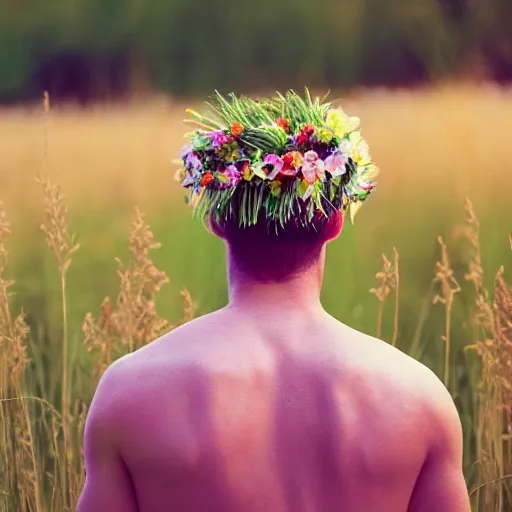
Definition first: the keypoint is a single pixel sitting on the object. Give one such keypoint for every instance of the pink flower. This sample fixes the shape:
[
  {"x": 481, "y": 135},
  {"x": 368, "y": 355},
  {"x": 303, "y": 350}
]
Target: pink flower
[
  {"x": 313, "y": 167},
  {"x": 219, "y": 138},
  {"x": 233, "y": 174},
  {"x": 277, "y": 162},
  {"x": 335, "y": 164}
]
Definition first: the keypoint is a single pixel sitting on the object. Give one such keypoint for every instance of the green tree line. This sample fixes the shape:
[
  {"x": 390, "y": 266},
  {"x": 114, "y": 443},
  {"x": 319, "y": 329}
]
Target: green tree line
[{"x": 88, "y": 49}]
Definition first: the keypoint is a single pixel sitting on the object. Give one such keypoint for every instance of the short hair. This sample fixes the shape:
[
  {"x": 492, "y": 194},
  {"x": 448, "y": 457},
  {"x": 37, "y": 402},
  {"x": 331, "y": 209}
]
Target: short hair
[{"x": 267, "y": 252}]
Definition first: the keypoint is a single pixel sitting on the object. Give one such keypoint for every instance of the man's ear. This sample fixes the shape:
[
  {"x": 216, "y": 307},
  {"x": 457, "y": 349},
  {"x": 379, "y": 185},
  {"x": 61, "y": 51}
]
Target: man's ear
[
  {"x": 216, "y": 228},
  {"x": 333, "y": 227}
]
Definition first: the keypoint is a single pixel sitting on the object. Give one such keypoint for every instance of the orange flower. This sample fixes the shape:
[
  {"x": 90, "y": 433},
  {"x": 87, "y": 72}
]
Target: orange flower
[
  {"x": 207, "y": 178},
  {"x": 236, "y": 129}
]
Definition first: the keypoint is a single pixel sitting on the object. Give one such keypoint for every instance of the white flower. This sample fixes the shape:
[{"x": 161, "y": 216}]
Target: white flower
[{"x": 346, "y": 147}]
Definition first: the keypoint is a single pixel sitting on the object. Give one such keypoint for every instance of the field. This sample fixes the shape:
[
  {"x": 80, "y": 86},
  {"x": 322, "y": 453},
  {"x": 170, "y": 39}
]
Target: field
[{"x": 436, "y": 148}]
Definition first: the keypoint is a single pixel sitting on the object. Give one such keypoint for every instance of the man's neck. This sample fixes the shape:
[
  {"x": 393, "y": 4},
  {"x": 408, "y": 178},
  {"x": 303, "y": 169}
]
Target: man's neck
[{"x": 300, "y": 293}]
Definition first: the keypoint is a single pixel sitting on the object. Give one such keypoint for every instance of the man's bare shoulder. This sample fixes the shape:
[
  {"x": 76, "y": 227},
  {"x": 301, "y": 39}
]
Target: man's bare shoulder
[
  {"x": 219, "y": 344},
  {"x": 392, "y": 373},
  {"x": 204, "y": 345},
  {"x": 208, "y": 340},
  {"x": 162, "y": 370}
]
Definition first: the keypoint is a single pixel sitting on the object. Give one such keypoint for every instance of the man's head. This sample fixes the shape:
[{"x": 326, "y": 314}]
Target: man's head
[
  {"x": 273, "y": 254},
  {"x": 288, "y": 162}
]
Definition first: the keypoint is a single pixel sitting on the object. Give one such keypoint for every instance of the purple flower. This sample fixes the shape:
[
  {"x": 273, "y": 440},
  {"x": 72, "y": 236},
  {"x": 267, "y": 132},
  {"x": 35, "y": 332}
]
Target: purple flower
[
  {"x": 278, "y": 164},
  {"x": 233, "y": 174},
  {"x": 292, "y": 140},
  {"x": 185, "y": 150},
  {"x": 190, "y": 179},
  {"x": 192, "y": 161},
  {"x": 218, "y": 138}
]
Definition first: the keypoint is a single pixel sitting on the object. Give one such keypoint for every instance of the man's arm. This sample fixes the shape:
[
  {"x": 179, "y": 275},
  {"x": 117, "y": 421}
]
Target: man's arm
[
  {"x": 108, "y": 486},
  {"x": 440, "y": 486}
]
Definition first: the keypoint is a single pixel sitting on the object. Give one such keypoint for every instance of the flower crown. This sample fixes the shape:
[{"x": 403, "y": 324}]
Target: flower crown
[{"x": 288, "y": 157}]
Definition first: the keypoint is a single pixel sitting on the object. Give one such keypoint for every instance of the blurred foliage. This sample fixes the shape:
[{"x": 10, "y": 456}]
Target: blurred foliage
[{"x": 88, "y": 49}]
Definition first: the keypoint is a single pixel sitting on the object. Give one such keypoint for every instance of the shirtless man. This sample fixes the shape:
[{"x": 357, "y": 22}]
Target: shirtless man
[{"x": 272, "y": 405}]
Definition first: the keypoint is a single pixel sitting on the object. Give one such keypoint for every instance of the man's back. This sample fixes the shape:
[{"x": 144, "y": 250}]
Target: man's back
[{"x": 235, "y": 412}]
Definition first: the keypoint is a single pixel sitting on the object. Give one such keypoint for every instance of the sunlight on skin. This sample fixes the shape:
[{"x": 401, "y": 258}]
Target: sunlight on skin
[{"x": 271, "y": 404}]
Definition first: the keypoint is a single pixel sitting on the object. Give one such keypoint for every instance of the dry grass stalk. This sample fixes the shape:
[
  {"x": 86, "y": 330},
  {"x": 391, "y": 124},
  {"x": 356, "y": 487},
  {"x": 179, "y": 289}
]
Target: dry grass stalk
[
  {"x": 503, "y": 335},
  {"x": 46, "y": 112},
  {"x": 449, "y": 287},
  {"x": 98, "y": 340},
  {"x": 388, "y": 280},
  {"x": 382, "y": 290},
  {"x": 133, "y": 321},
  {"x": 19, "y": 464},
  {"x": 495, "y": 398},
  {"x": 63, "y": 246},
  {"x": 483, "y": 318},
  {"x": 396, "y": 287},
  {"x": 78, "y": 474},
  {"x": 189, "y": 310},
  {"x": 493, "y": 324}
]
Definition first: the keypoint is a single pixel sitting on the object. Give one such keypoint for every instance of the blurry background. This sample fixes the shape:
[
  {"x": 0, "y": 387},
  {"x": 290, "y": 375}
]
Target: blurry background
[
  {"x": 430, "y": 81},
  {"x": 94, "y": 49}
]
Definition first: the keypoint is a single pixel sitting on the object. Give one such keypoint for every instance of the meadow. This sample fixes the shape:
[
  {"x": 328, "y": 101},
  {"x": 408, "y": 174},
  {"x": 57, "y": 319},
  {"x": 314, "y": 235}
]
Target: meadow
[{"x": 99, "y": 255}]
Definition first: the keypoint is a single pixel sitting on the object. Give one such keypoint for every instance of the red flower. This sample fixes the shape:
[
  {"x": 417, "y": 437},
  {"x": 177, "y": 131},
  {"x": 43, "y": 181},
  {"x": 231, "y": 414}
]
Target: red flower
[
  {"x": 302, "y": 139},
  {"x": 236, "y": 129},
  {"x": 288, "y": 159},
  {"x": 308, "y": 129},
  {"x": 207, "y": 178},
  {"x": 283, "y": 123}
]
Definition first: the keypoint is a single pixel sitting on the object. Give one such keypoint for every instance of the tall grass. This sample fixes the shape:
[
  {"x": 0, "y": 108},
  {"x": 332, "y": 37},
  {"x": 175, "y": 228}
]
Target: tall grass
[
  {"x": 63, "y": 247},
  {"x": 490, "y": 485},
  {"x": 133, "y": 321},
  {"x": 84, "y": 309},
  {"x": 449, "y": 287},
  {"x": 20, "y": 468}
]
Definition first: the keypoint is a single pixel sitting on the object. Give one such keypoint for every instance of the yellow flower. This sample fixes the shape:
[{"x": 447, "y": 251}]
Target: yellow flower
[
  {"x": 324, "y": 135},
  {"x": 355, "y": 137},
  {"x": 341, "y": 123},
  {"x": 233, "y": 156},
  {"x": 275, "y": 188},
  {"x": 248, "y": 173},
  {"x": 361, "y": 150},
  {"x": 303, "y": 187},
  {"x": 298, "y": 158}
]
